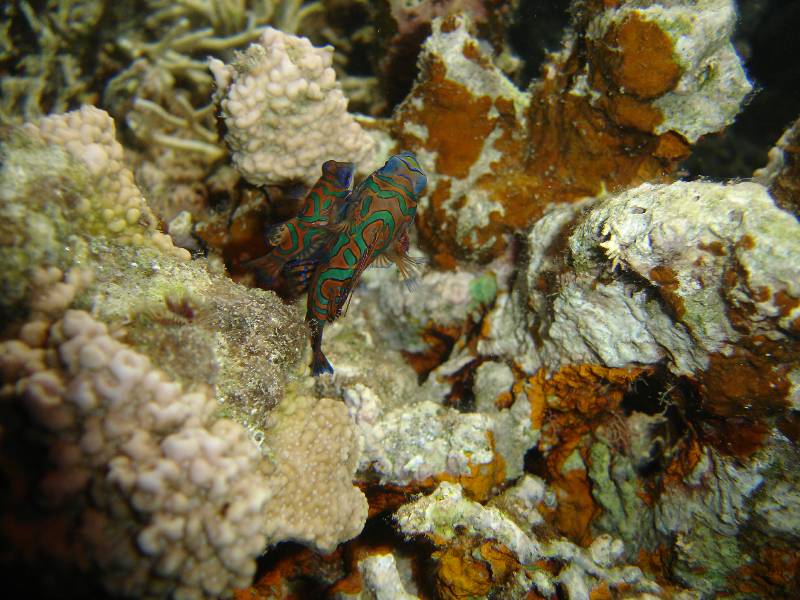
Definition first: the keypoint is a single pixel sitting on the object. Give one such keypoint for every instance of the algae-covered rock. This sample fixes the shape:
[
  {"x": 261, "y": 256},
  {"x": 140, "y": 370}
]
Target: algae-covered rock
[
  {"x": 616, "y": 488},
  {"x": 656, "y": 273},
  {"x": 68, "y": 200}
]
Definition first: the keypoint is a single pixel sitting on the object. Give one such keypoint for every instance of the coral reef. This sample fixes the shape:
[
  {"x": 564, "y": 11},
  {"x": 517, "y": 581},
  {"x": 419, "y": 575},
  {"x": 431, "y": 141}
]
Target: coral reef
[
  {"x": 155, "y": 482},
  {"x": 592, "y": 389},
  {"x": 631, "y": 89},
  {"x": 76, "y": 185},
  {"x": 161, "y": 470},
  {"x": 284, "y": 113},
  {"x": 313, "y": 445},
  {"x": 181, "y": 501},
  {"x": 74, "y": 203},
  {"x": 472, "y": 539}
]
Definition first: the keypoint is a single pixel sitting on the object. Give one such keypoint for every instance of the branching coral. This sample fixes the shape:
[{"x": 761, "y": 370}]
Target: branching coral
[
  {"x": 48, "y": 75},
  {"x": 163, "y": 88},
  {"x": 159, "y": 92}
]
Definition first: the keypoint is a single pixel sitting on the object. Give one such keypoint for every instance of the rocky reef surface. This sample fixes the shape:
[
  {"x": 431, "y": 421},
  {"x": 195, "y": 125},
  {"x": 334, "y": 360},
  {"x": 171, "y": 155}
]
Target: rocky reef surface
[{"x": 592, "y": 392}]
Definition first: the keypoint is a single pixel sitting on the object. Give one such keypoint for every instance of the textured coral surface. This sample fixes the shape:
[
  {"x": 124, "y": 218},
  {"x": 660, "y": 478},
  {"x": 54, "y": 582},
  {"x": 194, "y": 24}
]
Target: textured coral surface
[{"x": 591, "y": 389}]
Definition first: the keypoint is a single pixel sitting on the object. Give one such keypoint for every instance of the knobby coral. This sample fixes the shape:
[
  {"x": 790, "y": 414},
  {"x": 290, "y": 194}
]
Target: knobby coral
[
  {"x": 157, "y": 491},
  {"x": 284, "y": 111}
]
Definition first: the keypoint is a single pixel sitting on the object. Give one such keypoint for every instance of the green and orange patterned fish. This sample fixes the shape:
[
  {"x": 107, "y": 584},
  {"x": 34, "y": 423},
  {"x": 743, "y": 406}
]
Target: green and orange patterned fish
[
  {"x": 298, "y": 242},
  {"x": 372, "y": 228}
]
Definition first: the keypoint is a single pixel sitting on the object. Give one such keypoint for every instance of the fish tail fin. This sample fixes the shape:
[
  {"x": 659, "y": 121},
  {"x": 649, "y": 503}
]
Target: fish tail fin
[{"x": 319, "y": 364}]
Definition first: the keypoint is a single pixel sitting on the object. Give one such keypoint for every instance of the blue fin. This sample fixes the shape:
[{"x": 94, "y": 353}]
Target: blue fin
[
  {"x": 320, "y": 365},
  {"x": 298, "y": 275}
]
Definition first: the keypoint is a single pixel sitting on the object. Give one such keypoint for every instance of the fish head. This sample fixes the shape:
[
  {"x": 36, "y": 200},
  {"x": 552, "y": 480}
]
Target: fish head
[
  {"x": 406, "y": 165},
  {"x": 341, "y": 172}
]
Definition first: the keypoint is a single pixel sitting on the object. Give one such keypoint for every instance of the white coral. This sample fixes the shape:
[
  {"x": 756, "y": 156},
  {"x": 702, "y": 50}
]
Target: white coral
[
  {"x": 172, "y": 500},
  {"x": 119, "y": 428},
  {"x": 284, "y": 111}
]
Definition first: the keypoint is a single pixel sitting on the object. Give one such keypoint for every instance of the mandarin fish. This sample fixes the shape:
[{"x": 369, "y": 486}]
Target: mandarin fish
[
  {"x": 298, "y": 241},
  {"x": 372, "y": 227}
]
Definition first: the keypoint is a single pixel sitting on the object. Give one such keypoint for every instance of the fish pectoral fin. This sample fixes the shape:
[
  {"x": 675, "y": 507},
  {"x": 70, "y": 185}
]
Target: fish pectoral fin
[
  {"x": 412, "y": 284},
  {"x": 409, "y": 266},
  {"x": 298, "y": 276},
  {"x": 382, "y": 261},
  {"x": 269, "y": 264}
]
